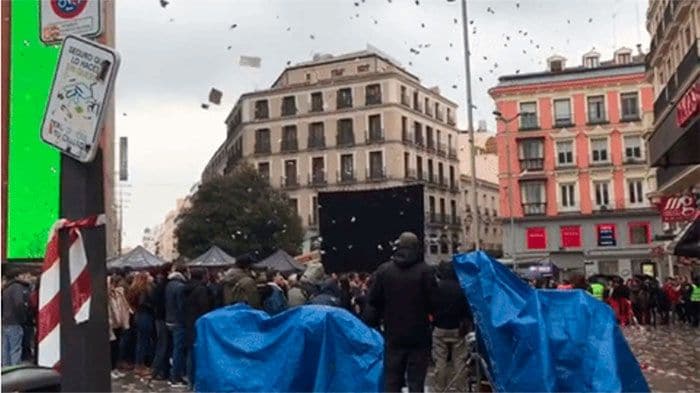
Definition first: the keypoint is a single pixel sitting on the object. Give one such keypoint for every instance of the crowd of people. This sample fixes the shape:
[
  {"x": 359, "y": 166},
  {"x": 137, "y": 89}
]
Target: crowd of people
[
  {"x": 641, "y": 299},
  {"x": 418, "y": 309}
]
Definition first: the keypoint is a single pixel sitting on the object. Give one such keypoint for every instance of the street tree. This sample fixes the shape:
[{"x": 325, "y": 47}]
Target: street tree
[{"x": 240, "y": 213}]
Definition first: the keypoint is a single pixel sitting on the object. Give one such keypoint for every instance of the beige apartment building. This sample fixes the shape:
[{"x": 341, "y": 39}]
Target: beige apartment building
[
  {"x": 352, "y": 122},
  {"x": 487, "y": 189}
]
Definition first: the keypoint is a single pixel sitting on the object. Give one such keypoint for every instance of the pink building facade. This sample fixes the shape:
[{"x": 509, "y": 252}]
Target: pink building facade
[{"x": 573, "y": 167}]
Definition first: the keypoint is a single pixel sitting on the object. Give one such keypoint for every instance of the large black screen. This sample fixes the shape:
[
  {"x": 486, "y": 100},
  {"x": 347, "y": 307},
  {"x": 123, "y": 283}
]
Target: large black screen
[{"x": 358, "y": 228}]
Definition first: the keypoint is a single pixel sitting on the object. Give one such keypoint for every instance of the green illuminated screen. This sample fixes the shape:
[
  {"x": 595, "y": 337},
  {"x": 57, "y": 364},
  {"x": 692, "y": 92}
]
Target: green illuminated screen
[{"x": 33, "y": 167}]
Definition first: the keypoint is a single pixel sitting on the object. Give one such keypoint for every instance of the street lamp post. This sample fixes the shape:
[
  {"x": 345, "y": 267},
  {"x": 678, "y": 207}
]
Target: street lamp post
[
  {"x": 472, "y": 148},
  {"x": 500, "y": 118}
]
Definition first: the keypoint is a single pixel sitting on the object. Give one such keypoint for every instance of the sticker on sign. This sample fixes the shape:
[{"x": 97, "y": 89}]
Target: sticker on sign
[
  {"x": 61, "y": 18},
  {"x": 82, "y": 86}
]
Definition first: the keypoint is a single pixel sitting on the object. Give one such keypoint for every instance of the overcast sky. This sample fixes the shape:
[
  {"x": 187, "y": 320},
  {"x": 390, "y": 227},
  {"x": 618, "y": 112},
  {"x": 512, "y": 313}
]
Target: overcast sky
[{"x": 172, "y": 56}]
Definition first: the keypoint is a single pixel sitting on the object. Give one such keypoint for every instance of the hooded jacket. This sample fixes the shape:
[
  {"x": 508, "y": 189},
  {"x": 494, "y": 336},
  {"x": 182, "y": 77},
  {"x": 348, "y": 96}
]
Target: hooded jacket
[
  {"x": 308, "y": 286},
  {"x": 450, "y": 306},
  {"x": 239, "y": 287},
  {"x": 402, "y": 294},
  {"x": 175, "y": 299},
  {"x": 15, "y": 303}
]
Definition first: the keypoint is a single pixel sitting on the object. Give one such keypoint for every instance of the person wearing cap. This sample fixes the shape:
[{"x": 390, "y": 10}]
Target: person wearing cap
[{"x": 402, "y": 293}]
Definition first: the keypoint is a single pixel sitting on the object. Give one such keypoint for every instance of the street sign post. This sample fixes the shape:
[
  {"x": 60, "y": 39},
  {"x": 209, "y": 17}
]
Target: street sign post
[
  {"x": 81, "y": 89},
  {"x": 61, "y": 18}
]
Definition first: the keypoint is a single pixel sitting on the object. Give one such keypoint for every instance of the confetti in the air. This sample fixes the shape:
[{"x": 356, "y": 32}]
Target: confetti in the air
[
  {"x": 164, "y": 3},
  {"x": 312, "y": 37},
  {"x": 215, "y": 96},
  {"x": 233, "y": 26},
  {"x": 205, "y": 106},
  {"x": 590, "y": 20}
]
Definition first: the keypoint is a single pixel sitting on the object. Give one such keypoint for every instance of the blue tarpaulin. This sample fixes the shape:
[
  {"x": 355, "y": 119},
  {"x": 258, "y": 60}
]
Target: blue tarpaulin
[
  {"x": 304, "y": 349},
  {"x": 545, "y": 340}
]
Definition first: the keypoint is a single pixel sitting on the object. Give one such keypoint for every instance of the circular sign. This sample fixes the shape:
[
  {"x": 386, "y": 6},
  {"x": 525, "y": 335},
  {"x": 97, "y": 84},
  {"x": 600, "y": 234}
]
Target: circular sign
[{"x": 68, "y": 9}]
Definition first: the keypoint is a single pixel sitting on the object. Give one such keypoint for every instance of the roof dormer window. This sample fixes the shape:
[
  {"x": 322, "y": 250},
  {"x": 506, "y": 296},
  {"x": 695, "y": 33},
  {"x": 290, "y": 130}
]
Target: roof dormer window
[
  {"x": 591, "y": 59},
  {"x": 556, "y": 63},
  {"x": 623, "y": 56}
]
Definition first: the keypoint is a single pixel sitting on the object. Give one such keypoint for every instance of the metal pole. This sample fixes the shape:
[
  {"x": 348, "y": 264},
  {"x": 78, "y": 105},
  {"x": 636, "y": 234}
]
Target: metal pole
[
  {"x": 510, "y": 204},
  {"x": 472, "y": 148}
]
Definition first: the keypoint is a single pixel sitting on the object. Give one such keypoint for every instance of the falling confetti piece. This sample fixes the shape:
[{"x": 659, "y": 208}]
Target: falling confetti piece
[
  {"x": 233, "y": 26},
  {"x": 455, "y": 20},
  {"x": 590, "y": 20},
  {"x": 357, "y": 4},
  {"x": 215, "y": 96},
  {"x": 312, "y": 37},
  {"x": 205, "y": 106},
  {"x": 486, "y": 58},
  {"x": 124, "y": 114},
  {"x": 410, "y": 63},
  {"x": 454, "y": 86},
  {"x": 289, "y": 62},
  {"x": 517, "y": 71},
  {"x": 517, "y": 5},
  {"x": 376, "y": 22},
  {"x": 164, "y": 3},
  {"x": 352, "y": 219},
  {"x": 481, "y": 79},
  {"x": 422, "y": 25},
  {"x": 229, "y": 47},
  {"x": 379, "y": 247},
  {"x": 450, "y": 45},
  {"x": 447, "y": 58},
  {"x": 289, "y": 28},
  {"x": 568, "y": 21},
  {"x": 471, "y": 22},
  {"x": 417, "y": 2},
  {"x": 414, "y": 51}
]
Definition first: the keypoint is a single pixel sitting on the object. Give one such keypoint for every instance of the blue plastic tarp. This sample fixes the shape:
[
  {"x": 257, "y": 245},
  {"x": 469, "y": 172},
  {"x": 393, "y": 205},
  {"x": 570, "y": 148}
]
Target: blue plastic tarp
[
  {"x": 545, "y": 340},
  {"x": 304, "y": 349}
]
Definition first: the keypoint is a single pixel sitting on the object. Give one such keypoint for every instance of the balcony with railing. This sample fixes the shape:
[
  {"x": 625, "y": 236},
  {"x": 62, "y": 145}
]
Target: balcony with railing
[
  {"x": 451, "y": 119},
  {"x": 317, "y": 142},
  {"x": 455, "y": 220},
  {"x": 290, "y": 145},
  {"x": 454, "y": 188},
  {"x": 373, "y": 99},
  {"x": 411, "y": 174},
  {"x": 290, "y": 182},
  {"x": 344, "y": 101},
  {"x": 262, "y": 147},
  {"x": 419, "y": 141},
  {"x": 441, "y": 149},
  {"x": 289, "y": 109},
  {"x": 430, "y": 145},
  {"x": 685, "y": 69},
  {"x": 439, "y": 115},
  {"x": 452, "y": 153},
  {"x": 407, "y": 137},
  {"x": 534, "y": 208},
  {"x": 405, "y": 100},
  {"x": 318, "y": 179},
  {"x": 375, "y": 135},
  {"x": 345, "y": 177},
  {"x": 376, "y": 173},
  {"x": 532, "y": 164},
  {"x": 435, "y": 219},
  {"x": 261, "y": 111},
  {"x": 345, "y": 139},
  {"x": 417, "y": 106},
  {"x": 428, "y": 111},
  {"x": 442, "y": 183}
]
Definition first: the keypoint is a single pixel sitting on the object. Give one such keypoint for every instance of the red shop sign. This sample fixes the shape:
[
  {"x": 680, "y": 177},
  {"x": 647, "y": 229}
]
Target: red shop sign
[
  {"x": 536, "y": 238},
  {"x": 688, "y": 106},
  {"x": 571, "y": 236},
  {"x": 678, "y": 208}
]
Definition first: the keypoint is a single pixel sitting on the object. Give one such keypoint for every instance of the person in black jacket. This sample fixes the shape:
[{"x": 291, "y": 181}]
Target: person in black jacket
[
  {"x": 161, "y": 365},
  {"x": 175, "y": 322},
  {"x": 401, "y": 293},
  {"x": 198, "y": 302},
  {"x": 15, "y": 314},
  {"x": 451, "y": 321}
]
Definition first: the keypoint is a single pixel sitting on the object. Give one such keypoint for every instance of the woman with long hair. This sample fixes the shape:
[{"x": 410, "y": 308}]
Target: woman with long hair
[{"x": 140, "y": 297}]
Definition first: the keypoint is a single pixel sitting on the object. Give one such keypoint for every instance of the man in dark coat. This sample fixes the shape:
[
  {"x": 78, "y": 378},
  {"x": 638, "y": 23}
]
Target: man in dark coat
[
  {"x": 175, "y": 322},
  {"x": 197, "y": 303},
  {"x": 451, "y": 320},
  {"x": 402, "y": 294},
  {"x": 15, "y": 314},
  {"x": 160, "y": 366}
]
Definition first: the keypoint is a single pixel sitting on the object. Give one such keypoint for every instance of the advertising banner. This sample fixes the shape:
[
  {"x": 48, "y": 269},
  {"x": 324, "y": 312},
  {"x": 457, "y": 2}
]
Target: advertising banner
[{"x": 536, "y": 238}]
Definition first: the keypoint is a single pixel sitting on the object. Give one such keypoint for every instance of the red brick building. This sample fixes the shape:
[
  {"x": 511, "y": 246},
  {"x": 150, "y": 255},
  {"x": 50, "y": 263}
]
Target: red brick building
[{"x": 578, "y": 169}]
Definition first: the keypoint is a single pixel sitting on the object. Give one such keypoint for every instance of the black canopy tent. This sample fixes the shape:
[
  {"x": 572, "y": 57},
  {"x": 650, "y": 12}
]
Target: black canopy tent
[
  {"x": 138, "y": 259},
  {"x": 214, "y": 257},
  {"x": 281, "y": 262}
]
